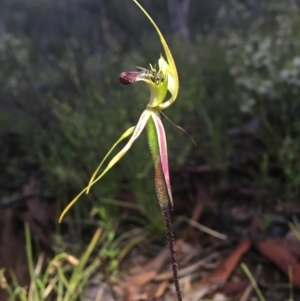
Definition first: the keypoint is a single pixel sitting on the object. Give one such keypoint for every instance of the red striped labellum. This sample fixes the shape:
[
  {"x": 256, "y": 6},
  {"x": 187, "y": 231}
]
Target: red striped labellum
[{"x": 127, "y": 78}]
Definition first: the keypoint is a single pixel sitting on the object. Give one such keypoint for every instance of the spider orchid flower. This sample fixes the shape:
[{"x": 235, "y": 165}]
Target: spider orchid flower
[{"x": 160, "y": 81}]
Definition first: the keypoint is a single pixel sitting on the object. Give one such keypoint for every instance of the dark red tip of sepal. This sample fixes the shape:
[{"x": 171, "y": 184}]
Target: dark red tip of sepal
[{"x": 127, "y": 78}]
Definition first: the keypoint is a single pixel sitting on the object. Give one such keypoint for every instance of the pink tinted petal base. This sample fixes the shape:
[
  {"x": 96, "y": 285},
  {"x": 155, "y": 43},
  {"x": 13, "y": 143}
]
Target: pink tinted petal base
[{"x": 163, "y": 152}]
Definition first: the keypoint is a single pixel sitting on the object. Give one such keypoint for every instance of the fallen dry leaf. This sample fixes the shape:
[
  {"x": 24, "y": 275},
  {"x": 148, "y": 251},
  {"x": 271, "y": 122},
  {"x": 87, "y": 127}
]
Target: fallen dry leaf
[
  {"x": 203, "y": 198},
  {"x": 141, "y": 279},
  {"x": 279, "y": 253},
  {"x": 219, "y": 276},
  {"x": 161, "y": 289},
  {"x": 234, "y": 287},
  {"x": 135, "y": 285}
]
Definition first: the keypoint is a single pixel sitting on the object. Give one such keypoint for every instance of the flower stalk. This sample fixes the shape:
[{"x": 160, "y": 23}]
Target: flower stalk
[
  {"x": 163, "y": 199},
  {"x": 160, "y": 81}
]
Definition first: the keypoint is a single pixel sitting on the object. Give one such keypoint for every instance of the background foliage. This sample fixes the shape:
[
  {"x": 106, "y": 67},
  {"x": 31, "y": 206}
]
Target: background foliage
[{"x": 239, "y": 65}]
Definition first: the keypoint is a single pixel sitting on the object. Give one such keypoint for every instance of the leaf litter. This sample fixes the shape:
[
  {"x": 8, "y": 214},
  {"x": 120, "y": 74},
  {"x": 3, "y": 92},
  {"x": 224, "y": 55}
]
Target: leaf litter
[{"x": 209, "y": 265}]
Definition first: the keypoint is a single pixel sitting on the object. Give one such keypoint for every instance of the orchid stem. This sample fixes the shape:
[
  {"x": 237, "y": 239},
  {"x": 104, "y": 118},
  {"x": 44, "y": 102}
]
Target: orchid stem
[
  {"x": 163, "y": 199},
  {"x": 170, "y": 239}
]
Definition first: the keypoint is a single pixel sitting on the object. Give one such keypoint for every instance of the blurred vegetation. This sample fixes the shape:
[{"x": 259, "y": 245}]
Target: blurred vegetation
[
  {"x": 239, "y": 66},
  {"x": 65, "y": 277}
]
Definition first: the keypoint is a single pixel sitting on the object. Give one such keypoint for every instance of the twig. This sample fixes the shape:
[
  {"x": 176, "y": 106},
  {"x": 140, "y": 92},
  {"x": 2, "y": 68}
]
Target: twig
[
  {"x": 188, "y": 270},
  {"x": 204, "y": 228}
]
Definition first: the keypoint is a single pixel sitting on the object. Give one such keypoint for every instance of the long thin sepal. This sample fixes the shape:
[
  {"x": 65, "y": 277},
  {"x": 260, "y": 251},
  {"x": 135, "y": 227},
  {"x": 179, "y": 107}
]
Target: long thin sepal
[
  {"x": 125, "y": 135},
  {"x": 162, "y": 142},
  {"x": 137, "y": 131},
  {"x": 172, "y": 66},
  {"x": 71, "y": 204}
]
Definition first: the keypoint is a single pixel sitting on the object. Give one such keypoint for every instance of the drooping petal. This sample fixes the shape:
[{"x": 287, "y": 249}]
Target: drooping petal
[
  {"x": 137, "y": 131},
  {"x": 171, "y": 67},
  {"x": 162, "y": 142},
  {"x": 125, "y": 135},
  {"x": 71, "y": 204}
]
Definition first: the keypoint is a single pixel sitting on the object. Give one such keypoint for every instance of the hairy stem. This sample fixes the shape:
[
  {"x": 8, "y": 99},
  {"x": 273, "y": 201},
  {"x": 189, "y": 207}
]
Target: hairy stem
[
  {"x": 163, "y": 198},
  {"x": 170, "y": 239}
]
